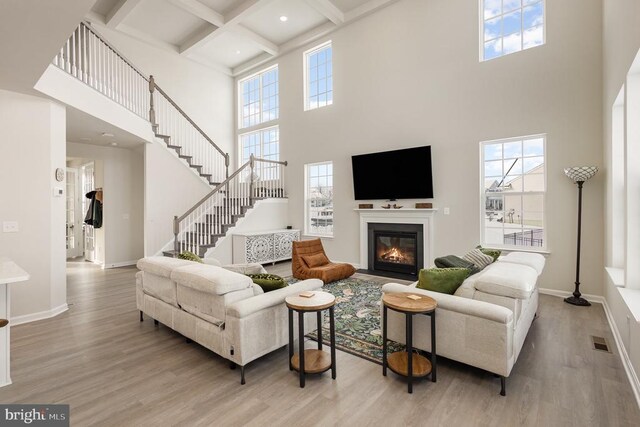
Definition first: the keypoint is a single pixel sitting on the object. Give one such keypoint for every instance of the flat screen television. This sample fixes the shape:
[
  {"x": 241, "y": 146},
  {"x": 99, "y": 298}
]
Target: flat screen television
[{"x": 398, "y": 174}]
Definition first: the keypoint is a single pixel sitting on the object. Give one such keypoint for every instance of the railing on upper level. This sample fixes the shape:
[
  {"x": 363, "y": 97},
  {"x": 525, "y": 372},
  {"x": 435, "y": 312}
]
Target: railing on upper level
[
  {"x": 90, "y": 58},
  {"x": 198, "y": 229},
  {"x": 95, "y": 62}
]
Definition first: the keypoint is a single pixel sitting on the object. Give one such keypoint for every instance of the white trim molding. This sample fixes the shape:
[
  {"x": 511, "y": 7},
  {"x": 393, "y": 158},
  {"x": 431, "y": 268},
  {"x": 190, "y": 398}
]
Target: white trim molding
[
  {"x": 622, "y": 351},
  {"x": 41, "y": 315},
  {"x": 397, "y": 216}
]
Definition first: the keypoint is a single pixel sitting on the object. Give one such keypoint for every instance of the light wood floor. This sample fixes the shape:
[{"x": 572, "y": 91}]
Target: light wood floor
[{"x": 114, "y": 370}]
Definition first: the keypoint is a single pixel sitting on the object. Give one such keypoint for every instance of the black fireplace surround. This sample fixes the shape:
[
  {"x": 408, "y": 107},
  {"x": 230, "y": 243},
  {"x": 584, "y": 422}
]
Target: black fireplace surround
[{"x": 395, "y": 250}]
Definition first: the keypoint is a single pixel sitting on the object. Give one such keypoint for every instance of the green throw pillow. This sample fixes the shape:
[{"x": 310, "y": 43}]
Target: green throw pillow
[
  {"x": 190, "y": 256},
  {"x": 452, "y": 261},
  {"x": 493, "y": 253},
  {"x": 443, "y": 280},
  {"x": 268, "y": 282}
]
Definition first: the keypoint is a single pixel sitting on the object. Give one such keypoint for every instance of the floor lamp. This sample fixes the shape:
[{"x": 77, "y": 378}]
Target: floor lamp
[{"x": 579, "y": 175}]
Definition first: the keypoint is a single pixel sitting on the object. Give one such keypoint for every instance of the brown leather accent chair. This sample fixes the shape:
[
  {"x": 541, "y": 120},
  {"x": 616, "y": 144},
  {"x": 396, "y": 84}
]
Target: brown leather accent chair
[{"x": 306, "y": 252}]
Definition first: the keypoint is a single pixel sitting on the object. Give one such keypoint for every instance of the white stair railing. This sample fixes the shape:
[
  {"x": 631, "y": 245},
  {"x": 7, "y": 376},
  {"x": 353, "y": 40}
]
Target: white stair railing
[
  {"x": 95, "y": 62},
  {"x": 168, "y": 119},
  {"x": 200, "y": 227},
  {"x": 90, "y": 58}
]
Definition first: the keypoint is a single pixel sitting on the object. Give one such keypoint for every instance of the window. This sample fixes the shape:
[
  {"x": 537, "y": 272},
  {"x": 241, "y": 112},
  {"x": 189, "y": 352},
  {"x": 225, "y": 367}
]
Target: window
[
  {"x": 319, "y": 199},
  {"x": 509, "y": 26},
  {"x": 264, "y": 143},
  {"x": 513, "y": 192},
  {"x": 318, "y": 77},
  {"x": 258, "y": 102},
  {"x": 259, "y": 98}
]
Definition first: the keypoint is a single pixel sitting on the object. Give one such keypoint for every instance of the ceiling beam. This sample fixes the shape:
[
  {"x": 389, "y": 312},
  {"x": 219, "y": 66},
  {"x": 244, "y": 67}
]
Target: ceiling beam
[
  {"x": 328, "y": 9},
  {"x": 119, "y": 12},
  {"x": 231, "y": 20},
  {"x": 200, "y": 10}
]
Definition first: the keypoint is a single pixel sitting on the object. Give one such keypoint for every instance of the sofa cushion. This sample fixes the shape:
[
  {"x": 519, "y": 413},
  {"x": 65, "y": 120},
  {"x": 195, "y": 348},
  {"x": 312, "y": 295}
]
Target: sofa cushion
[
  {"x": 452, "y": 261},
  {"x": 443, "y": 280},
  {"x": 210, "y": 279},
  {"x": 160, "y": 287},
  {"x": 535, "y": 261},
  {"x": 478, "y": 258},
  {"x": 161, "y": 265},
  {"x": 316, "y": 260},
  {"x": 507, "y": 279},
  {"x": 268, "y": 282}
]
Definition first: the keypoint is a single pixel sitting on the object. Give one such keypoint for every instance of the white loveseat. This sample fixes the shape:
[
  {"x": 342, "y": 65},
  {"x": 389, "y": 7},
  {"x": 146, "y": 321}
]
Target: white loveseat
[
  {"x": 220, "y": 309},
  {"x": 485, "y": 323}
]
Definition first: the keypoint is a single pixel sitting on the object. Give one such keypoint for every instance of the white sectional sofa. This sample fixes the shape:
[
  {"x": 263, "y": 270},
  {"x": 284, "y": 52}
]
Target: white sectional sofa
[
  {"x": 220, "y": 309},
  {"x": 485, "y": 323}
]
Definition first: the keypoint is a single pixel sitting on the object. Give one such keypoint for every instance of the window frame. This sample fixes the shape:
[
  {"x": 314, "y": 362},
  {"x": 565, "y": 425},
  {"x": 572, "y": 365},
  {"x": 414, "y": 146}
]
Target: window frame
[
  {"x": 259, "y": 131},
  {"x": 482, "y": 41},
  {"x": 240, "y": 104},
  {"x": 305, "y": 79},
  {"x": 521, "y": 248},
  {"x": 307, "y": 218}
]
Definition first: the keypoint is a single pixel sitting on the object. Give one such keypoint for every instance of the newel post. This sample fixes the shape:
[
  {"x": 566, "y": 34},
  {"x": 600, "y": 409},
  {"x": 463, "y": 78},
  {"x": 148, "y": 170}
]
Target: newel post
[
  {"x": 176, "y": 231},
  {"x": 251, "y": 166},
  {"x": 152, "y": 112}
]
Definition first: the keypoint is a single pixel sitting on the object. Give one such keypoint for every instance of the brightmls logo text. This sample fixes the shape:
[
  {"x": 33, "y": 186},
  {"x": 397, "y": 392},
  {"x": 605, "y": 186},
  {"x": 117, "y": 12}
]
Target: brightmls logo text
[{"x": 34, "y": 415}]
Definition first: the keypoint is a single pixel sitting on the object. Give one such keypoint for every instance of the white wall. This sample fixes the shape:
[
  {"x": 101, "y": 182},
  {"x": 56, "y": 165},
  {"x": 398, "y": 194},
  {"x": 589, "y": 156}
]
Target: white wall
[
  {"x": 410, "y": 75},
  {"x": 621, "y": 44},
  {"x": 32, "y": 146},
  {"x": 204, "y": 94},
  {"x": 120, "y": 173},
  {"x": 170, "y": 189}
]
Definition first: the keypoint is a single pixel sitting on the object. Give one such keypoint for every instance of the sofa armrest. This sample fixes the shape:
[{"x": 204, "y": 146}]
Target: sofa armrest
[
  {"x": 461, "y": 305},
  {"x": 254, "y": 304}
]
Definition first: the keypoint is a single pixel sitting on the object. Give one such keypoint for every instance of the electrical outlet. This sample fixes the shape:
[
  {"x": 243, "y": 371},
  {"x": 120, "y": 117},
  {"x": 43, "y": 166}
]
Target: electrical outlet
[
  {"x": 10, "y": 227},
  {"x": 447, "y": 211}
]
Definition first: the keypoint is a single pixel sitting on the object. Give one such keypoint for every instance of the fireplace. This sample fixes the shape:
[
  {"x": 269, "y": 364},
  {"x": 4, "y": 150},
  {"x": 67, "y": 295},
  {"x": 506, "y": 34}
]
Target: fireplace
[{"x": 395, "y": 250}]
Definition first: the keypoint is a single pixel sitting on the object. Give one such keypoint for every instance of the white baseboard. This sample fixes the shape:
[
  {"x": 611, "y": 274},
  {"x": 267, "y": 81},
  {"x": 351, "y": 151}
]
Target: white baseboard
[
  {"x": 119, "y": 264},
  {"x": 27, "y": 318},
  {"x": 563, "y": 294},
  {"x": 5, "y": 383},
  {"x": 622, "y": 351}
]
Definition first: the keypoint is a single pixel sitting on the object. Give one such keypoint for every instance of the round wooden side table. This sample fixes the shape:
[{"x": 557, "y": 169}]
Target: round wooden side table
[
  {"x": 312, "y": 361},
  {"x": 399, "y": 362}
]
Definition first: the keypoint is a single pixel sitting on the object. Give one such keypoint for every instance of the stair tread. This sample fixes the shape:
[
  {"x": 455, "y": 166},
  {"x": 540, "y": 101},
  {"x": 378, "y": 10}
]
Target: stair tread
[
  {"x": 159, "y": 135},
  {"x": 175, "y": 147}
]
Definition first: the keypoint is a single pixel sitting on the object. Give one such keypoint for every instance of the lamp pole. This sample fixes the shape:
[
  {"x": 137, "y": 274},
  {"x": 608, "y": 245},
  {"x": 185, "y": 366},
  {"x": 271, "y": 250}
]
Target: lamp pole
[{"x": 577, "y": 299}]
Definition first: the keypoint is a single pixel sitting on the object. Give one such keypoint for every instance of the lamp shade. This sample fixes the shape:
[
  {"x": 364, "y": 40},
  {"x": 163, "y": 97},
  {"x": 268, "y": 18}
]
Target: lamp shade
[{"x": 581, "y": 173}]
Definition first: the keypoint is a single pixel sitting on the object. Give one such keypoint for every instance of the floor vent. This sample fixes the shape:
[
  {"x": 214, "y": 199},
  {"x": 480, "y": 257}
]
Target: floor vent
[{"x": 600, "y": 344}]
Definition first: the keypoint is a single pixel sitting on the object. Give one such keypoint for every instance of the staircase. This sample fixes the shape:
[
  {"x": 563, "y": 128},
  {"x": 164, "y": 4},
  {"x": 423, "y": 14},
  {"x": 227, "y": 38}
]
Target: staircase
[{"x": 88, "y": 57}]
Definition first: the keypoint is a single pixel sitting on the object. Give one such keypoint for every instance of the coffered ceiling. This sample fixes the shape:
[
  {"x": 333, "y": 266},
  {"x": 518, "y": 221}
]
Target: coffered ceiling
[{"x": 232, "y": 35}]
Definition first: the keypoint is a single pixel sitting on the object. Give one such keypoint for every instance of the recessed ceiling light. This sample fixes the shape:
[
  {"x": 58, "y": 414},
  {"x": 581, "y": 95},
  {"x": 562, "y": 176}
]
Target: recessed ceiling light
[
  {"x": 114, "y": 144},
  {"x": 107, "y": 135},
  {"x": 284, "y": 18},
  {"x": 237, "y": 52}
]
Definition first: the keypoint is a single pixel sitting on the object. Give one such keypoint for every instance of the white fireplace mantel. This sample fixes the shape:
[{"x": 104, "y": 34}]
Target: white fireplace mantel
[{"x": 397, "y": 216}]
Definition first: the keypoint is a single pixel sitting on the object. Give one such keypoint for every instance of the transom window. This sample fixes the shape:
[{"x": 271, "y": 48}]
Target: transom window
[
  {"x": 319, "y": 199},
  {"x": 513, "y": 192},
  {"x": 318, "y": 76},
  {"x": 259, "y": 98},
  {"x": 509, "y": 26}
]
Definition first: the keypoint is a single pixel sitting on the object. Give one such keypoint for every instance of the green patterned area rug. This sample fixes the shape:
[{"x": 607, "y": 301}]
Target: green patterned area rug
[{"x": 357, "y": 317}]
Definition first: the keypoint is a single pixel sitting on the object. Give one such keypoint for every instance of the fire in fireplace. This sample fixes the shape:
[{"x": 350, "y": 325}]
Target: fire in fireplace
[{"x": 395, "y": 248}]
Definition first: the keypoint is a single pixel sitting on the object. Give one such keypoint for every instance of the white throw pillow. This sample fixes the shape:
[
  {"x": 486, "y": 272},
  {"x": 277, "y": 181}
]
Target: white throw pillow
[{"x": 479, "y": 259}]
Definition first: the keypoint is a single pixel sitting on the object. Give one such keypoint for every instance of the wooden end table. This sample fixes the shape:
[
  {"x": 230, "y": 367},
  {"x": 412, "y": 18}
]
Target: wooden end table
[
  {"x": 400, "y": 362},
  {"x": 312, "y": 361}
]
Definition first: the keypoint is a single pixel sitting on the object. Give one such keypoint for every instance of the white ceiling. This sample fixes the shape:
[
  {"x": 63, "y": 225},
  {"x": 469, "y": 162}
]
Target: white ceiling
[
  {"x": 86, "y": 129},
  {"x": 234, "y": 35}
]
